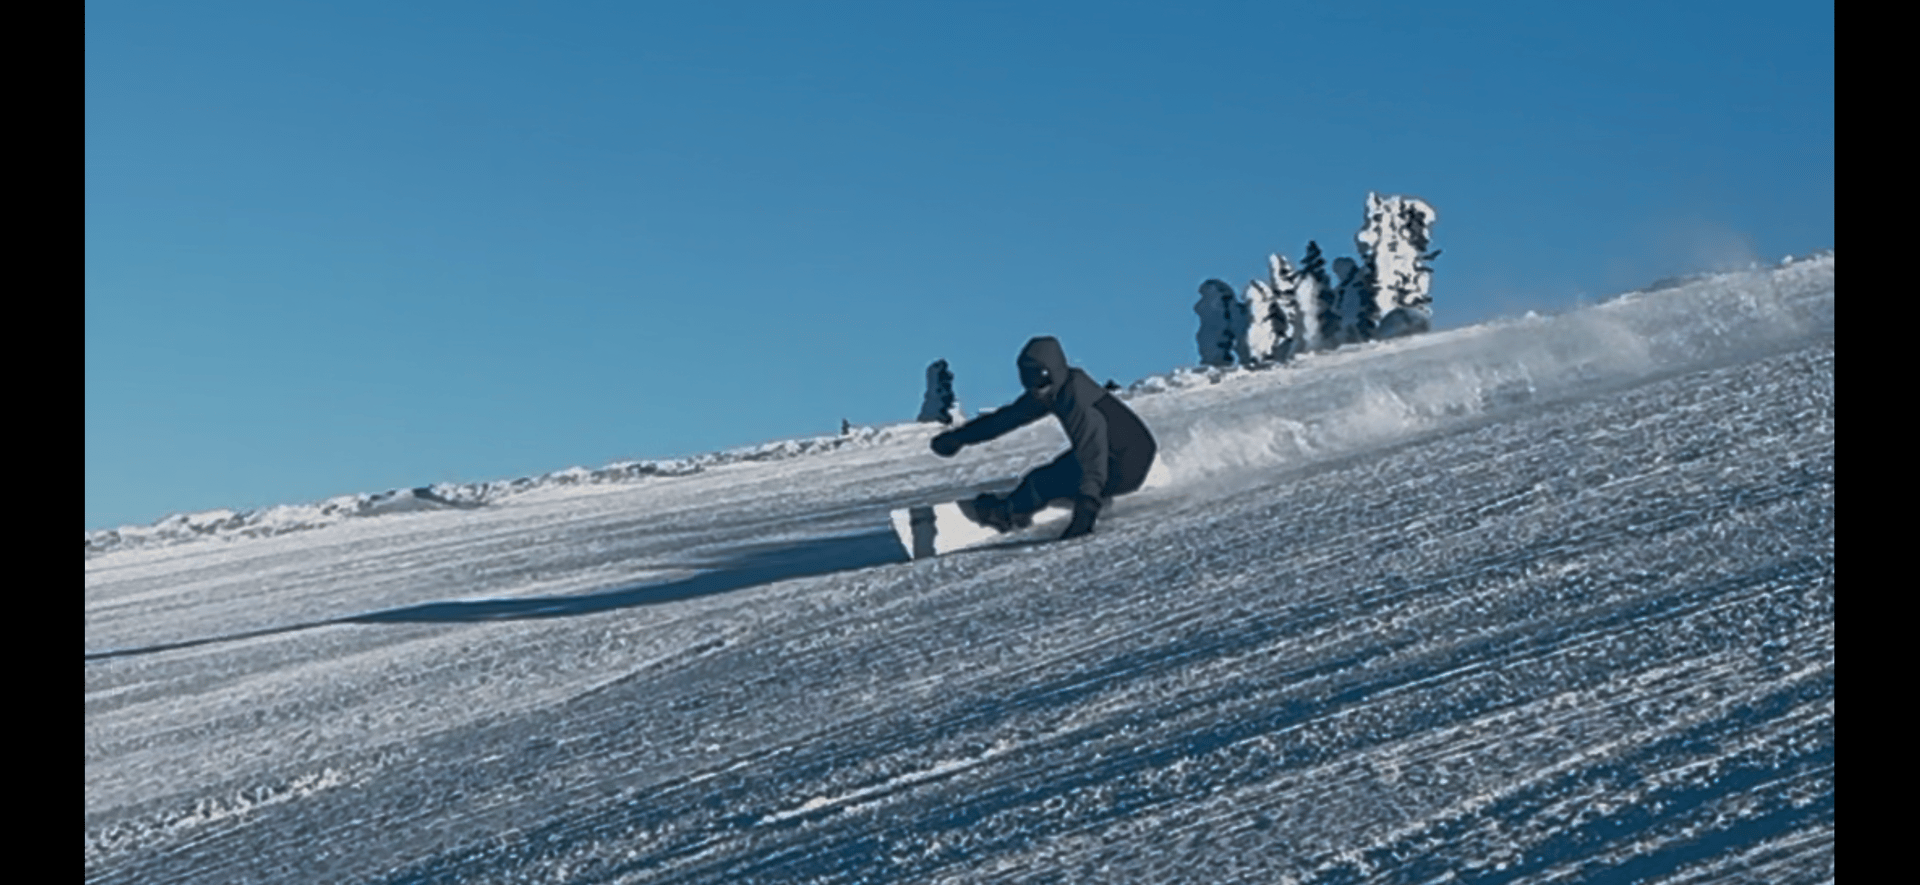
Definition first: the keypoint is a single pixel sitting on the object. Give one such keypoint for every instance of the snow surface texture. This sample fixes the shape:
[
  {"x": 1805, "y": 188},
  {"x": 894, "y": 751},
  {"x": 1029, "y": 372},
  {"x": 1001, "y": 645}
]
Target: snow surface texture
[{"x": 1541, "y": 600}]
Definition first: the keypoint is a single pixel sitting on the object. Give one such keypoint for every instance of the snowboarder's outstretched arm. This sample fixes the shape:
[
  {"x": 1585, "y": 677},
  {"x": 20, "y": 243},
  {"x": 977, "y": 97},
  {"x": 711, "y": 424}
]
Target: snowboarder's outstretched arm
[{"x": 1025, "y": 410}]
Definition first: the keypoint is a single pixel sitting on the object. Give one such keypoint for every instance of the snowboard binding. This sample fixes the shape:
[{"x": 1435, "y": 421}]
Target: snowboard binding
[{"x": 994, "y": 512}]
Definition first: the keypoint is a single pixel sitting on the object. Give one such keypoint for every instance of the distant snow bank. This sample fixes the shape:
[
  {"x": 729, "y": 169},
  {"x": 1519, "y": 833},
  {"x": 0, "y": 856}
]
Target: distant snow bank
[
  {"x": 277, "y": 520},
  {"x": 1345, "y": 402},
  {"x": 1353, "y": 396}
]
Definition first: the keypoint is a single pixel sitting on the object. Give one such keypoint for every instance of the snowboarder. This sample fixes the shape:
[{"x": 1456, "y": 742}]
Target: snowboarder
[{"x": 1112, "y": 450}]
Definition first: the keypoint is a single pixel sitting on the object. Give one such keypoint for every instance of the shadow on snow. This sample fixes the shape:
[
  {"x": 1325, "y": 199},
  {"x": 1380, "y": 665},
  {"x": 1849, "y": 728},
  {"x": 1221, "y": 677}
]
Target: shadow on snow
[{"x": 753, "y": 568}]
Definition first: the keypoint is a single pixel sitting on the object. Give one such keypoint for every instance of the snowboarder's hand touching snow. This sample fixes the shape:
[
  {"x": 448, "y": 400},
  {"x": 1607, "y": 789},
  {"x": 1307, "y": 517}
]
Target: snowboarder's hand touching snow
[
  {"x": 1085, "y": 511},
  {"x": 945, "y": 445}
]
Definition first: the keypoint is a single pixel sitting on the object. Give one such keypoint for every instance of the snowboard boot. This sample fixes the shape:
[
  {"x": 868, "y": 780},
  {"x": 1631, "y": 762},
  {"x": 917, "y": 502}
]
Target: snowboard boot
[{"x": 993, "y": 511}]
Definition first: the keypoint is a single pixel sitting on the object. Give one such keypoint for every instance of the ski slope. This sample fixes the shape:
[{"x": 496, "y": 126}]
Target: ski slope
[{"x": 1545, "y": 600}]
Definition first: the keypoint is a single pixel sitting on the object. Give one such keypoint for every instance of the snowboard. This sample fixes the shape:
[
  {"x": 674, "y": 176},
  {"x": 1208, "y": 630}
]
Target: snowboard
[{"x": 939, "y": 529}]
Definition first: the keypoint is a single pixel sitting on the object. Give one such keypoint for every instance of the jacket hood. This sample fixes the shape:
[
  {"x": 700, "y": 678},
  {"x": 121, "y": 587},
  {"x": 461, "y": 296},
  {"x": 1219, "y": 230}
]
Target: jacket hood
[{"x": 1044, "y": 352}]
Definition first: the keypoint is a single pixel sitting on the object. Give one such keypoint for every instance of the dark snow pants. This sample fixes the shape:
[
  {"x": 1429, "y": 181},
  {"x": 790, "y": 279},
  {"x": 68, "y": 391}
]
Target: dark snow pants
[{"x": 1060, "y": 481}]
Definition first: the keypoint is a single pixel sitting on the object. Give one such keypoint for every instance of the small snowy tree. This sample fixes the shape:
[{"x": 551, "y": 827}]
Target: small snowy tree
[
  {"x": 939, "y": 406},
  {"x": 1270, "y": 325},
  {"x": 1298, "y": 292},
  {"x": 1353, "y": 299},
  {"x": 1286, "y": 285},
  {"x": 1317, "y": 296},
  {"x": 1393, "y": 241},
  {"x": 1223, "y": 324}
]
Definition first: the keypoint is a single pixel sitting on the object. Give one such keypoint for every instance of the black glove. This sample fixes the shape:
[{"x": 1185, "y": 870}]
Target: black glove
[
  {"x": 1085, "y": 511},
  {"x": 945, "y": 445}
]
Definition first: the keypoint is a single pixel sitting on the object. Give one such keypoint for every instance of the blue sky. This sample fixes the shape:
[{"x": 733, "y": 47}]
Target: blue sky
[{"x": 356, "y": 246}]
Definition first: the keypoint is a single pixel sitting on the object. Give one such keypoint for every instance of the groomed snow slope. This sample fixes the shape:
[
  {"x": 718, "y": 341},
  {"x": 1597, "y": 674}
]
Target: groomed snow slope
[{"x": 1548, "y": 600}]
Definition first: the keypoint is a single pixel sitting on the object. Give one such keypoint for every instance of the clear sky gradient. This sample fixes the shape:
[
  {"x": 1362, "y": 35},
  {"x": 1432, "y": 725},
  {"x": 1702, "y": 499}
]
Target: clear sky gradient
[{"x": 349, "y": 246}]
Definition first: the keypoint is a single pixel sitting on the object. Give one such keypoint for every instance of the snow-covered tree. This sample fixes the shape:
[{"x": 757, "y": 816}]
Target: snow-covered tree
[
  {"x": 1286, "y": 284},
  {"x": 1271, "y": 325},
  {"x": 1223, "y": 325},
  {"x": 940, "y": 406},
  {"x": 1393, "y": 241},
  {"x": 1353, "y": 299},
  {"x": 1298, "y": 292},
  {"x": 1317, "y": 296}
]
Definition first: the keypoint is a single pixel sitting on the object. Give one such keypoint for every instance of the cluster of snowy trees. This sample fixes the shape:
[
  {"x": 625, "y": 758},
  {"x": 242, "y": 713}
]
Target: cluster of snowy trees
[{"x": 1300, "y": 309}]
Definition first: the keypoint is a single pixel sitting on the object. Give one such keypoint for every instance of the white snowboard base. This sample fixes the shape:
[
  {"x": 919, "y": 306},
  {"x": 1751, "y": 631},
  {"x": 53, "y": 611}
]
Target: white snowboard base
[{"x": 943, "y": 528}]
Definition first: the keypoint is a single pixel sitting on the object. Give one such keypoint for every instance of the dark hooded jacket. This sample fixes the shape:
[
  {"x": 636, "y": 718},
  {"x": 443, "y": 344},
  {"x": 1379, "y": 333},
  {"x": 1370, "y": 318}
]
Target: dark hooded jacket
[{"x": 1110, "y": 443}]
